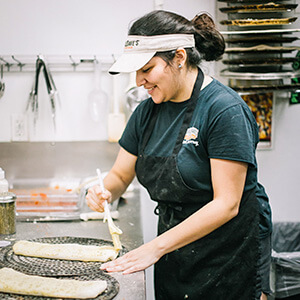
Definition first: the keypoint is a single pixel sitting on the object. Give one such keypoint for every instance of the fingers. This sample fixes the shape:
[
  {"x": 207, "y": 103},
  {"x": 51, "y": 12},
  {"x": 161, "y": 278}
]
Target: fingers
[
  {"x": 136, "y": 260},
  {"x": 95, "y": 198},
  {"x": 124, "y": 264}
]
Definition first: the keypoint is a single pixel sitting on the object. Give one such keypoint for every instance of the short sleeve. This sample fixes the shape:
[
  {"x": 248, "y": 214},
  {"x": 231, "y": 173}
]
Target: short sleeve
[
  {"x": 232, "y": 135},
  {"x": 130, "y": 139}
]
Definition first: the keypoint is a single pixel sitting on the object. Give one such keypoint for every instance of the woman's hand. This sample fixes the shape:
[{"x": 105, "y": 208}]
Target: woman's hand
[
  {"x": 115, "y": 182},
  {"x": 136, "y": 260},
  {"x": 95, "y": 198}
]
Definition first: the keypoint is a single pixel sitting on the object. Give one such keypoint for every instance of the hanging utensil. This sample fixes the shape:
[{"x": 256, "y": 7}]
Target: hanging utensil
[
  {"x": 2, "y": 84},
  {"x": 116, "y": 119},
  {"x": 113, "y": 229},
  {"x": 51, "y": 91},
  {"x": 97, "y": 98},
  {"x": 33, "y": 95}
]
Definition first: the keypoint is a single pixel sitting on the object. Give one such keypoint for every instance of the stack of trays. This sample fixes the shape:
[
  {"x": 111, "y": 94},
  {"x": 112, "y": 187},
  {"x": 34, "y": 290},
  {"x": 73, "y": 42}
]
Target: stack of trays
[{"x": 260, "y": 43}]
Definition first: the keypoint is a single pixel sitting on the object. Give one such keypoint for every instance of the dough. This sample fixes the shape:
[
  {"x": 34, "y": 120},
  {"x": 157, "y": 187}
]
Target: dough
[
  {"x": 65, "y": 251},
  {"x": 12, "y": 281}
]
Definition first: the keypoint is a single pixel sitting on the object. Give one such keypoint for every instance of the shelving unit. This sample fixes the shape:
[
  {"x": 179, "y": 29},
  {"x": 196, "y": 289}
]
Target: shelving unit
[
  {"x": 260, "y": 46},
  {"x": 261, "y": 58}
]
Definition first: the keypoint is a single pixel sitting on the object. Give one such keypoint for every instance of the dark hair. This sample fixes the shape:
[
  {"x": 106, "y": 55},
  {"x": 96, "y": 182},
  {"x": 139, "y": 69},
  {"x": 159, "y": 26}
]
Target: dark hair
[{"x": 209, "y": 43}]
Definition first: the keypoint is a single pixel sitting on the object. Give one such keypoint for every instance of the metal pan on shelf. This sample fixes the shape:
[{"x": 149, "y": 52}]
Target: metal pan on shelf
[
  {"x": 258, "y": 22},
  {"x": 265, "y": 7},
  {"x": 265, "y": 88},
  {"x": 256, "y": 75},
  {"x": 260, "y": 31},
  {"x": 261, "y": 38},
  {"x": 249, "y": 1},
  {"x": 265, "y": 61},
  {"x": 261, "y": 49},
  {"x": 258, "y": 70}
]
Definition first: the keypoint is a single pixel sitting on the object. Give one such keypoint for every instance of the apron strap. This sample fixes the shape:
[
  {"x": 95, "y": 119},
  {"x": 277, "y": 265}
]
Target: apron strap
[
  {"x": 189, "y": 111},
  {"x": 150, "y": 127}
]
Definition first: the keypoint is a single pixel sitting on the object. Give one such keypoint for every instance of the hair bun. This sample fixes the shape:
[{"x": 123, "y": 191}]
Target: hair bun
[{"x": 203, "y": 21}]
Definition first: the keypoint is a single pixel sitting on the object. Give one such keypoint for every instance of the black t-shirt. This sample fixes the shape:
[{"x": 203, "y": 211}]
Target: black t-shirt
[{"x": 222, "y": 127}]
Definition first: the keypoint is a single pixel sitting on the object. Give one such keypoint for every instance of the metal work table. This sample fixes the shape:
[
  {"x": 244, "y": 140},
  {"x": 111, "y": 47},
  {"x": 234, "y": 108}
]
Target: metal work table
[{"x": 132, "y": 286}]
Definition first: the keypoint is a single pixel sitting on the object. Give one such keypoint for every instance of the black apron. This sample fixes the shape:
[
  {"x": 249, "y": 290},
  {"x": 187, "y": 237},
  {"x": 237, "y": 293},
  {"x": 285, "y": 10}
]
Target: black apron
[{"x": 221, "y": 265}]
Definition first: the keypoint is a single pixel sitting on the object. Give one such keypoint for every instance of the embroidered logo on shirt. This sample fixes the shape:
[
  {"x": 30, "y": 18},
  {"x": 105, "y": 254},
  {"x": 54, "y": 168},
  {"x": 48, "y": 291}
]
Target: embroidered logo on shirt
[{"x": 190, "y": 136}]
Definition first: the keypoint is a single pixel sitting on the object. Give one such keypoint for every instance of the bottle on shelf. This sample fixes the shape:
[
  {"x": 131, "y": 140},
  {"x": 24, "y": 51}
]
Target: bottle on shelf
[
  {"x": 7, "y": 207},
  {"x": 3, "y": 182}
]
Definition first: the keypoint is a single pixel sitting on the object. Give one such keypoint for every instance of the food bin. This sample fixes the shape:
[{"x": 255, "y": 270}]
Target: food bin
[{"x": 47, "y": 199}]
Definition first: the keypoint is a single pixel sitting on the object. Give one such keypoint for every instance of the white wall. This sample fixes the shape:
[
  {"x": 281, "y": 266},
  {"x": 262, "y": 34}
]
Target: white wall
[{"x": 279, "y": 167}]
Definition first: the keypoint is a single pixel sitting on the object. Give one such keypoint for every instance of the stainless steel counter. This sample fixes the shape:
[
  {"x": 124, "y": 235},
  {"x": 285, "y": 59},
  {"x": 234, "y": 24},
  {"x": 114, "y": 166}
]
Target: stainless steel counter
[{"x": 132, "y": 287}]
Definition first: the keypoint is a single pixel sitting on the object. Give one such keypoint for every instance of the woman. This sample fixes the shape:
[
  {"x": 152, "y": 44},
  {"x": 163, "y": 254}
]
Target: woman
[{"x": 192, "y": 145}]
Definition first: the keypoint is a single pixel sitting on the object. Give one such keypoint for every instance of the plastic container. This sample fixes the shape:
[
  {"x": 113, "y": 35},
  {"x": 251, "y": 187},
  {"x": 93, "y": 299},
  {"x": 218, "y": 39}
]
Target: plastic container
[
  {"x": 45, "y": 199},
  {"x": 286, "y": 259}
]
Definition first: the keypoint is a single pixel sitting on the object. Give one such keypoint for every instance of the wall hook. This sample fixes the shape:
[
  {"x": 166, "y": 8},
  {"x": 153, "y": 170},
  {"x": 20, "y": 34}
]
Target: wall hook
[
  {"x": 6, "y": 63},
  {"x": 74, "y": 64},
  {"x": 20, "y": 64}
]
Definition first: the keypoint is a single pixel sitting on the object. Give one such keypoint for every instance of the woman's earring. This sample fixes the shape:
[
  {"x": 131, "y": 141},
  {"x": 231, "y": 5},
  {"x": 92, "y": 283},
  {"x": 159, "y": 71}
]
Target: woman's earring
[{"x": 179, "y": 66}]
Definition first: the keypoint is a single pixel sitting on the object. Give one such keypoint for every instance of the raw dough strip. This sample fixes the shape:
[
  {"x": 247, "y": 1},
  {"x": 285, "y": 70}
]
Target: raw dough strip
[
  {"x": 15, "y": 282},
  {"x": 65, "y": 251}
]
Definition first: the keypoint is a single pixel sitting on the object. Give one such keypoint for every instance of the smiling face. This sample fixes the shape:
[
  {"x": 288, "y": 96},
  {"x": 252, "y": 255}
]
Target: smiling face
[{"x": 161, "y": 80}]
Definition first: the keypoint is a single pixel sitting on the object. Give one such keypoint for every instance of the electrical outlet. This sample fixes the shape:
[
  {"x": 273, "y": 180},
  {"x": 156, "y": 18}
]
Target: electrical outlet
[{"x": 19, "y": 127}]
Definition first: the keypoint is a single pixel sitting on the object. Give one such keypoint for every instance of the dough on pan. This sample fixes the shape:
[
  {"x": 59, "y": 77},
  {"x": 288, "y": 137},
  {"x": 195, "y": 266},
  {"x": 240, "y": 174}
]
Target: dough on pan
[
  {"x": 65, "y": 251},
  {"x": 12, "y": 281}
]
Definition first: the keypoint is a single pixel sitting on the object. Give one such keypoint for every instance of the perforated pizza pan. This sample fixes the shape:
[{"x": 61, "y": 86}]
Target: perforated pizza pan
[
  {"x": 110, "y": 292},
  {"x": 59, "y": 268},
  {"x": 53, "y": 267}
]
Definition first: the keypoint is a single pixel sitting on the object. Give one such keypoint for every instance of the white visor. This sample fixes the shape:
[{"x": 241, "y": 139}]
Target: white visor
[{"x": 140, "y": 49}]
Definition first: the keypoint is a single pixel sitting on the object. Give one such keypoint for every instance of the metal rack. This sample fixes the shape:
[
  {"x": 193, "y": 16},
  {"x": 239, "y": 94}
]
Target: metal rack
[
  {"x": 57, "y": 63},
  {"x": 240, "y": 66}
]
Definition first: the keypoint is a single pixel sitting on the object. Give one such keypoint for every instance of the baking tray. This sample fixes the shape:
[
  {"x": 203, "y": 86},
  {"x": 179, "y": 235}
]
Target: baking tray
[
  {"x": 261, "y": 31},
  {"x": 260, "y": 49},
  {"x": 266, "y": 7},
  {"x": 241, "y": 62},
  {"x": 59, "y": 268},
  {"x": 259, "y": 22},
  {"x": 111, "y": 291},
  {"x": 249, "y": 1},
  {"x": 53, "y": 267},
  {"x": 242, "y": 74},
  {"x": 261, "y": 38},
  {"x": 271, "y": 87}
]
